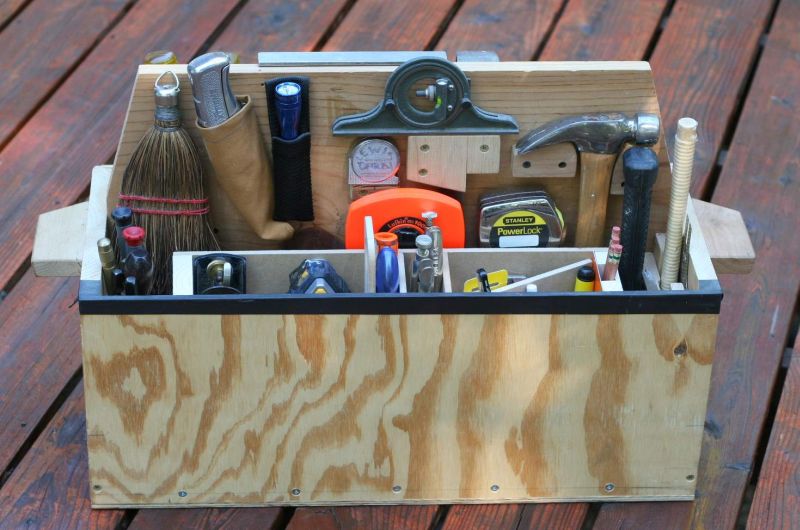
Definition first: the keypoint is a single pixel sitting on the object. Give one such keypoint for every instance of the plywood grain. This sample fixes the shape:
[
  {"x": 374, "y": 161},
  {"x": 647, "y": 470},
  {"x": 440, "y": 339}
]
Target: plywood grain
[
  {"x": 393, "y": 409},
  {"x": 533, "y": 93}
]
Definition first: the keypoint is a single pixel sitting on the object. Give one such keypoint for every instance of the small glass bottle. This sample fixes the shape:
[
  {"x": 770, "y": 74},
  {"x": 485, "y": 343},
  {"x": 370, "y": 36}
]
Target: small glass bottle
[{"x": 138, "y": 263}]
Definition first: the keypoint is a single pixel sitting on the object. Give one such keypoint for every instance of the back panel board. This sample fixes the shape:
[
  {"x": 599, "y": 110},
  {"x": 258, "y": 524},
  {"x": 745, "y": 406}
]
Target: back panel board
[{"x": 534, "y": 93}]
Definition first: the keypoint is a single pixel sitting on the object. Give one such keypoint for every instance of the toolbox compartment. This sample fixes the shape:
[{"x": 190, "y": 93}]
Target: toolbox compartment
[{"x": 269, "y": 398}]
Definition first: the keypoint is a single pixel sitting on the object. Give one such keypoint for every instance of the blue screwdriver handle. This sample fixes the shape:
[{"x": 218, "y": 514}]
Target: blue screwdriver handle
[{"x": 387, "y": 272}]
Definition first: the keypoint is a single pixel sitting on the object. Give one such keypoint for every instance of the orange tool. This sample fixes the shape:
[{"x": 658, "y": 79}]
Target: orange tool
[{"x": 399, "y": 210}]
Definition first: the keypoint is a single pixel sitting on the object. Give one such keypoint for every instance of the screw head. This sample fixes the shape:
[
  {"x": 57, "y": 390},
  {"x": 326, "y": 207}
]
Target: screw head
[
  {"x": 182, "y": 493},
  {"x": 397, "y": 489},
  {"x": 609, "y": 487},
  {"x": 425, "y": 148},
  {"x": 495, "y": 487},
  {"x": 484, "y": 148},
  {"x": 296, "y": 492}
]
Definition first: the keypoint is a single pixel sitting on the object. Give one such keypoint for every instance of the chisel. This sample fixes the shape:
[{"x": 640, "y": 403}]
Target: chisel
[{"x": 640, "y": 168}]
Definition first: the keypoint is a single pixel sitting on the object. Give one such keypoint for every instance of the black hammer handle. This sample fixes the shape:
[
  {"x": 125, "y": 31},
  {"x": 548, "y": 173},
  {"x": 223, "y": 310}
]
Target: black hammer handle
[{"x": 640, "y": 167}]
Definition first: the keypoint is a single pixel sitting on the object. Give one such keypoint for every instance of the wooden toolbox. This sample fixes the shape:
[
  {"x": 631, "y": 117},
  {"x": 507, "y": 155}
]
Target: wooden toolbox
[{"x": 270, "y": 398}]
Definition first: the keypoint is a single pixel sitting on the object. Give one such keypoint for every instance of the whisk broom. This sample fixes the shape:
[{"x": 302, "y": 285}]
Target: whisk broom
[{"x": 163, "y": 186}]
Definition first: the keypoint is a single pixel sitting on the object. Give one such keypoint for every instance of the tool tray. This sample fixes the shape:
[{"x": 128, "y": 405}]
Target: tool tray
[{"x": 271, "y": 398}]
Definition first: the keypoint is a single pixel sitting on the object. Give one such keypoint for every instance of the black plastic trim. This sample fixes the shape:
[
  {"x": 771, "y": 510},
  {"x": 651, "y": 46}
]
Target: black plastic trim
[{"x": 91, "y": 302}]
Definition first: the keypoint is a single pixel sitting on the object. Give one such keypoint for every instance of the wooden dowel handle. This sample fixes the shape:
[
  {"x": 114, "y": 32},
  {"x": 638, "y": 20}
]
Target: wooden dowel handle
[{"x": 595, "y": 175}]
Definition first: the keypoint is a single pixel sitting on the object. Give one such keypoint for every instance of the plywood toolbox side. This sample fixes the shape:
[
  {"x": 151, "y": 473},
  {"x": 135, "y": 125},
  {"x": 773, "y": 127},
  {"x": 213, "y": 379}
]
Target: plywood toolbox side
[{"x": 253, "y": 409}]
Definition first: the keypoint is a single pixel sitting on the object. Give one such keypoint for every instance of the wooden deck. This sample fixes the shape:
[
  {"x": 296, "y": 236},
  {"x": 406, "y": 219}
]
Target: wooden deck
[{"x": 734, "y": 65}]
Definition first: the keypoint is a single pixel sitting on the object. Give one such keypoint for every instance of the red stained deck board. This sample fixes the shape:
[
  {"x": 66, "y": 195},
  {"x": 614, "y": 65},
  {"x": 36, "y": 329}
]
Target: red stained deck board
[{"x": 41, "y": 46}]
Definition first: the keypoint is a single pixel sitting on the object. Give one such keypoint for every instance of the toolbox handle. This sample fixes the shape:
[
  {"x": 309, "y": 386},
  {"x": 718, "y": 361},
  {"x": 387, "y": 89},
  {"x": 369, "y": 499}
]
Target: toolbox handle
[
  {"x": 64, "y": 236},
  {"x": 726, "y": 237},
  {"x": 58, "y": 244}
]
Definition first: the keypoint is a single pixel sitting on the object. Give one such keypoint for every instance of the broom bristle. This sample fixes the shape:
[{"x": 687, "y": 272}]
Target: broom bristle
[{"x": 166, "y": 164}]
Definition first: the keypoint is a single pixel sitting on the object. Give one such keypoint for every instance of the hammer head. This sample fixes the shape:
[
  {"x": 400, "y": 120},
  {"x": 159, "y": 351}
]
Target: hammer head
[{"x": 594, "y": 133}]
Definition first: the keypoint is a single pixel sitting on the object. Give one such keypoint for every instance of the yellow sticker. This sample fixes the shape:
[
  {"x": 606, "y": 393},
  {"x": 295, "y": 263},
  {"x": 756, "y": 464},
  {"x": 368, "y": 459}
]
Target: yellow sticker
[{"x": 520, "y": 228}]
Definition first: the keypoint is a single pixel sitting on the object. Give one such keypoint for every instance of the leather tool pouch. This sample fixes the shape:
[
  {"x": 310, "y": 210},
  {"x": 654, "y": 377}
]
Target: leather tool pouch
[
  {"x": 291, "y": 159},
  {"x": 237, "y": 153}
]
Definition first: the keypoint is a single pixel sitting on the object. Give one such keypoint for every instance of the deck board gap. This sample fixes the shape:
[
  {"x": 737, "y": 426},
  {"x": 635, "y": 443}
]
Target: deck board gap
[
  {"x": 282, "y": 521},
  {"x": 214, "y": 36},
  {"x": 774, "y": 402},
  {"x": 437, "y": 36},
  {"x": 547, "y": 34},
  {"x": 126, "y": 520},
  {"x": 44, "y": 421},
  {"x": 733, "y": 122},
  {"x": 328, "y": 33},
  {"x": 11, "y": 17},
  {"x": 440, "y": 517},
  {"x": 591, "y": 515},
  {"x": 662, "y": 24}
]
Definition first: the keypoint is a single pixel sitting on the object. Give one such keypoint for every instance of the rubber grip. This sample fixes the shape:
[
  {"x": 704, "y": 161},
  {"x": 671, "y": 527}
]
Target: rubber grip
[{"x": 640, "y": 167}]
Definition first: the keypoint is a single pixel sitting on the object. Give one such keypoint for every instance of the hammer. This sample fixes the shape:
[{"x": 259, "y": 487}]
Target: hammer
[{"x": 599, "y": 138}]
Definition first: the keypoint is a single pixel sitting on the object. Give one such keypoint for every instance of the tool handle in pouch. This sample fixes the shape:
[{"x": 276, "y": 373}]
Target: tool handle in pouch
[
  {"x": 291, "y": 156},
  {"x": 237, "y": 153}
]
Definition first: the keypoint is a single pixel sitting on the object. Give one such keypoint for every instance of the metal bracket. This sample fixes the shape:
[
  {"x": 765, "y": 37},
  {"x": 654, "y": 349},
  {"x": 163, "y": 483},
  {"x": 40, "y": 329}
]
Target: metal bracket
[{"x": 453, "y": 112}]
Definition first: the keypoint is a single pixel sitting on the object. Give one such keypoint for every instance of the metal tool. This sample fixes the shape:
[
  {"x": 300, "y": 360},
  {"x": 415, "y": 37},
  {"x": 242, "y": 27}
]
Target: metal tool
[
  {"x": 640, "y": 166},
  {"x": 108, "y": 263},
  {"x": 423, "y": 274},
  {"x": 476, "y": 56},
  {"x": 519, "y": 218},
  {"x": 437, "y": 249},
  {"x": 598, "y": 138},
  {"x": 220, "y": 274},
  {"x": 316, "y": 276},
  {"x": 453, "y": 111},
  {"x": 214, "y": 100},
  {"x": 377, "y": 58},
  {"x": 684, "y": 271}
]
